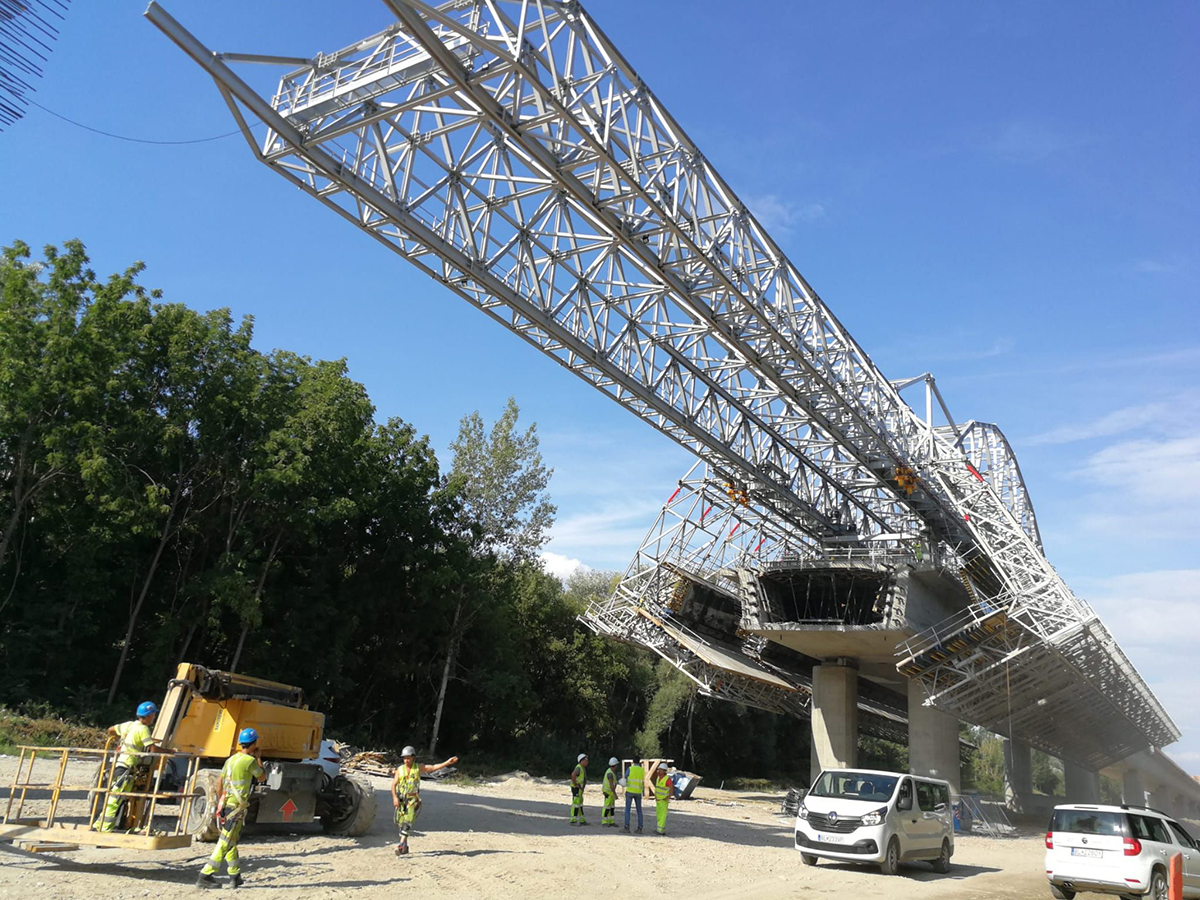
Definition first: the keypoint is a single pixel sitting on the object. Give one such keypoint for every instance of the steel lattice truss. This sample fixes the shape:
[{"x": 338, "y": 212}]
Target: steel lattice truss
[{"x": 507, "y": 149}]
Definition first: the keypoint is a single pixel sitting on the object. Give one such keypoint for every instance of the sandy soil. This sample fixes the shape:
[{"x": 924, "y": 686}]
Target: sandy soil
[{"x": 510, "y": 838}]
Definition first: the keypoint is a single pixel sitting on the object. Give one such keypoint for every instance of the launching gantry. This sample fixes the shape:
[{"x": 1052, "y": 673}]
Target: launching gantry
[{"x": 832, "y": 543}]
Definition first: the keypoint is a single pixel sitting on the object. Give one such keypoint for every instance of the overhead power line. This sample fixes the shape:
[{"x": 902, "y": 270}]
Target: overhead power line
[{"x": 134, "y": 140}]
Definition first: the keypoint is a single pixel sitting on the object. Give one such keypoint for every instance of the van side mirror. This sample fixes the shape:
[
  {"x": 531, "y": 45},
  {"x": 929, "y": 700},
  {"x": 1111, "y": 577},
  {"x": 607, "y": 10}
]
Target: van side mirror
[
  {"x": 941, "y": 807},
  {"x": 904, "y": 804}
]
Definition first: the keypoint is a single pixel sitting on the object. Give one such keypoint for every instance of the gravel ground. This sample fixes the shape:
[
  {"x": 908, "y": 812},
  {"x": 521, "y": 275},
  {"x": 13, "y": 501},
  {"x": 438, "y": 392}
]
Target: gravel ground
[{"x": 510, "y": 838}]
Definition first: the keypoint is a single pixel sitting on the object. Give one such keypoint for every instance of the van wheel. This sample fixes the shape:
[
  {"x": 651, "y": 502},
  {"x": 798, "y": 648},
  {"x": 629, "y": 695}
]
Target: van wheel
[
  {"x": 808, "y": 859},
  {"x": 1061, "y": 893},
  {"x": 941, "y": 865},
  {"x": 891, "y": 860},
  {"x": 1158, "y": 885}
]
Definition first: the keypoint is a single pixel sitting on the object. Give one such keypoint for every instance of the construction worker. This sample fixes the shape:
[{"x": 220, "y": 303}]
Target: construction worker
[
  {"x": 608, "y": 813},
  {"x": 233, "y": 799},
  {"x": 135, "y": 740},
  {"x": 635, "y": 785},
  {"x": 664, "y": 785},
  {"x": 406, "y": 792},
  {"x": 578, "y": 783}
]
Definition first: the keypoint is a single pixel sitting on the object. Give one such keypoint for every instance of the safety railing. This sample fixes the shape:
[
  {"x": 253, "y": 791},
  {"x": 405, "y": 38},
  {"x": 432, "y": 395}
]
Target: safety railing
[{"x": 139, "y": 797}]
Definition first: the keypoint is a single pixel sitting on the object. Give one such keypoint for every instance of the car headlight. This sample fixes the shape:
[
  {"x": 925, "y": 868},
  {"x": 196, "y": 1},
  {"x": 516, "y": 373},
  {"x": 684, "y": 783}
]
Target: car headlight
[
  {"x": 875, "y": 817},
  {"x": 803, "y": 811}
]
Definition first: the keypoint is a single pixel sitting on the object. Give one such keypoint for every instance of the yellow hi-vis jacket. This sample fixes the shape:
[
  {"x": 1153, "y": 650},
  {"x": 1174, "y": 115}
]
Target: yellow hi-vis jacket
[{"x": 635, "y": 781}]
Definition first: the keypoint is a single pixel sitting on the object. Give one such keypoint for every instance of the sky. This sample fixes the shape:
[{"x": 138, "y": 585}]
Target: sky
[{"x": 1006, "y": 195}]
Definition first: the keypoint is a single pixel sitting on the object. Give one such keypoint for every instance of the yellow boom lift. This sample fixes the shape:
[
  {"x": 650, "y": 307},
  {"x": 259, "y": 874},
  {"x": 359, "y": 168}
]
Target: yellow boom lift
[{"x": 196, "y": 731}]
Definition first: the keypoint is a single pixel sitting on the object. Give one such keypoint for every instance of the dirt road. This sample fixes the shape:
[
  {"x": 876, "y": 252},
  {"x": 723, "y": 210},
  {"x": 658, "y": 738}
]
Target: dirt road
[{"x": 510, "y": 838}]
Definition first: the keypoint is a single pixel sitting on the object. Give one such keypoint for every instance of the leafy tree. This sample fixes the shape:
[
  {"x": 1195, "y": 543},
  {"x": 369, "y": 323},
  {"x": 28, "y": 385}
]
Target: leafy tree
[{"x": 502, "y": 480}]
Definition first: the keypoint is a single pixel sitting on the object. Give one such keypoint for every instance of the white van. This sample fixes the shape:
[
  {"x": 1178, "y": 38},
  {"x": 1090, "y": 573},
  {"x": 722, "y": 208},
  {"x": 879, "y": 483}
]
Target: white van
[{"x": 885, "y": 818}]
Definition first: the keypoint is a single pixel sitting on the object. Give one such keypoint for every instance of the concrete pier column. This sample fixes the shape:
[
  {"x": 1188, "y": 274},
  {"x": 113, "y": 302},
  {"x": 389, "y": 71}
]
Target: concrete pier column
[
  {"x": 834, "y": 718},
  {"x": 1018, "y": 776},
  {"x": 932, "y": 740},
  {"x": 1159, "y": 799},
  {"x": 1133, "y": 791},
  {"x": 1083, "y": 785},
  {"x": 1179, "y": 807}
]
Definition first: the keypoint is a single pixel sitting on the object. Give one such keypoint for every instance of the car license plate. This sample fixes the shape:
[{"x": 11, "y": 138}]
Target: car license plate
[
  {"x": 1084, "y": 851},
  {"x": 831, "y": 838}
]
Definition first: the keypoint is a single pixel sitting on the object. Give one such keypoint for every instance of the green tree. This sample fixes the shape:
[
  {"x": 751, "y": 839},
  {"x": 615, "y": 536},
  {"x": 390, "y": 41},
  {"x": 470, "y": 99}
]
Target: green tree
[{"x": 502, "y": 481}]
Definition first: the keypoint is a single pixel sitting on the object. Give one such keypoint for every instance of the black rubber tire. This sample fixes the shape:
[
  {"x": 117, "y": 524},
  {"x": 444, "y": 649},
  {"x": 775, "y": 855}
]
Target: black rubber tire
[
  {"x": 808, "y": 859},
  {"x": 941, "y": 865},
  {"x": 1061, "y": 893},
  {"x": 202, "y": 823},
  {"x": 891, "y": 859},
  {"x": 359, "y": 807},
  {"x": 1159, "y": 889}
]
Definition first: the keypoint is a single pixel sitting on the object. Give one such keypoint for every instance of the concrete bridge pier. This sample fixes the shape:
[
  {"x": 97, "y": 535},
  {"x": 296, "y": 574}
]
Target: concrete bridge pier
[
  {"x": 1133, "y": 789},
  {"x": 1018, "y": 776},
  {"x": 1083, "y": 785},
  {"x": 834, "y": 717},
  {"x": 1159, "y": 799},
  {"x": 932, "y": 740}
]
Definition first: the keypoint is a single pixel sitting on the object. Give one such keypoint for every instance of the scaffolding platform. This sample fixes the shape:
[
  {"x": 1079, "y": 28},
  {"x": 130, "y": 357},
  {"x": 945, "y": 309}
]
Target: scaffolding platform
[{"x": 48, "y": 811}]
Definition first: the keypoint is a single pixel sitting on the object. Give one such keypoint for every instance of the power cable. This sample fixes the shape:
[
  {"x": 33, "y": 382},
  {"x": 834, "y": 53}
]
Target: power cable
[{"x": 134, "y": 140}]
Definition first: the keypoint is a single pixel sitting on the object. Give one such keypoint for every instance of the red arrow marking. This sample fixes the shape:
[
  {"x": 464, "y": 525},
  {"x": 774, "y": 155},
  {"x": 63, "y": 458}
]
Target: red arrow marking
[{"x": 288, "y": 809}]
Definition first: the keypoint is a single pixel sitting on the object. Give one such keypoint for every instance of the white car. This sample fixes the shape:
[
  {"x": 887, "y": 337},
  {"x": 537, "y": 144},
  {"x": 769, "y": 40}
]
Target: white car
[
  {"x": 1117, "y": 850},
  {"x": 883, "y": 818}
]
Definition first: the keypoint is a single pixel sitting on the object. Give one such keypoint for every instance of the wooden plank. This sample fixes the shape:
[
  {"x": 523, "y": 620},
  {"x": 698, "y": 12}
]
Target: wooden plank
[
  {"x": 46, "y": 846},
  {"x": 80, "y": 834}
]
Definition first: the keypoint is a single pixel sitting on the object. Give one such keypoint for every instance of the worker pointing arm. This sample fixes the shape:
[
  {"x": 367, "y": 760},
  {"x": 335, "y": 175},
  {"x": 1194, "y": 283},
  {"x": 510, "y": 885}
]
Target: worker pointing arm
[{"x": 406, "y": 792}]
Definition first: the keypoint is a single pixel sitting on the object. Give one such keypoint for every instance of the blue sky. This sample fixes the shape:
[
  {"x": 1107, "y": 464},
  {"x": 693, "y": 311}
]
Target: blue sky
[{"x": 1007, "y": 195}]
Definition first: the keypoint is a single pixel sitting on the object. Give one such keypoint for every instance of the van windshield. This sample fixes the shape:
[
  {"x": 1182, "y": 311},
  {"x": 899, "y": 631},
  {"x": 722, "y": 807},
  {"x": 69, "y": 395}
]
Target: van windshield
[{"x": 855, "y": 786}]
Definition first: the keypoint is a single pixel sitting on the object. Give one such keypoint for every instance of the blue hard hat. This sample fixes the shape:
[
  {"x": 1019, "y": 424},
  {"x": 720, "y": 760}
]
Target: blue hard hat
[
  {"x": 247, "y": 737},
  {"x": 146, "y": 709}
]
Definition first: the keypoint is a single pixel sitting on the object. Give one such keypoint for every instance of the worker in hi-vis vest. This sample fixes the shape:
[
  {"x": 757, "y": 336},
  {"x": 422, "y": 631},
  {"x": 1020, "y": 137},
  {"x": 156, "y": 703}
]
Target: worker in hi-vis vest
[
  {"x": 608, "y": 813},
  {"x": 664, "y": 785},
  {"x": 635, "y": 785},
  {"x": 233, "y": 800},
  {"x": 406, "y": 792},
  {"x": 578, "y": 783},
  {"x": 135, "y": 739}
]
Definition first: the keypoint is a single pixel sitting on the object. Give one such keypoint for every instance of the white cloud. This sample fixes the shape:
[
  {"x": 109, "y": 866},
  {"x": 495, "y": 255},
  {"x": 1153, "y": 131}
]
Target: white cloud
[
  {"x": 561, "y": 566},
  {"x": 1153, "y": 266},
  {"x": 1158, "y": 611},
  {"x": 1117, "y": 422},
  {"x": 778, "y": 213},
  {"x": 1163, "y": 473},
  {"x": 1030, "y": 142}
]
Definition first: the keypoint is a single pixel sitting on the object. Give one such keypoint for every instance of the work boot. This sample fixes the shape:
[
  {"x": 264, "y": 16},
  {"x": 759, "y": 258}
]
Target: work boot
[
  {"x": 626, "y": 829},
  {"x": 206, "y": 881},
  {"x": 236, "y": 881},
  {"x": 639, "y": 829}
]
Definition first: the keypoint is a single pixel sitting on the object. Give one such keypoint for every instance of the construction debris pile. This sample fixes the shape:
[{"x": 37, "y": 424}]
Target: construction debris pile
[{"x": 376, "y": 762}]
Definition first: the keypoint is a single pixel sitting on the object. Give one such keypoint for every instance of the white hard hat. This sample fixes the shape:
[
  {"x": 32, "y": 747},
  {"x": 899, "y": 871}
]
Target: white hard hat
[
  {"x": 613, "y": 761},
  {"x": 582, "y": 757},
  {"x": 410, "y": 750}
]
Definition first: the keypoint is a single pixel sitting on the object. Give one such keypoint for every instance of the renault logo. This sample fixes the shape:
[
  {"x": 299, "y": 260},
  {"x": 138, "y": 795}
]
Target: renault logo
[
  {"x": 833, "y": 817},
  {"x": 1085, "y": 840}
]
